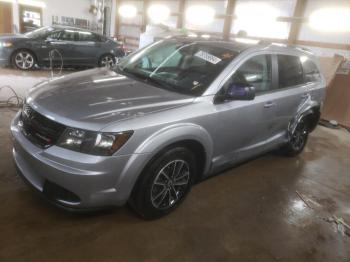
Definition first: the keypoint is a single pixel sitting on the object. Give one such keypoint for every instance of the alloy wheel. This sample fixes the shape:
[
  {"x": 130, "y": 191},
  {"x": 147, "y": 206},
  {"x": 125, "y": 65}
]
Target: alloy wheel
[
  {"x": 107, "y": 61},
  {"x": 24, "y": 60},
  {"x": 170, "y": 184},
  {"x": 299, "y": 136}
]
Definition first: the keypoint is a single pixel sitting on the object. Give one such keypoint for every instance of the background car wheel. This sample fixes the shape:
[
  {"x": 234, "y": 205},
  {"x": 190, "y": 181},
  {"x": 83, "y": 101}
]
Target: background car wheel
[
  {"x": 297, "y": 140},
  {"x": 24, "y": 60},
  {"x": 164, "y": 184},
  {"x": 107, "y": 61}
]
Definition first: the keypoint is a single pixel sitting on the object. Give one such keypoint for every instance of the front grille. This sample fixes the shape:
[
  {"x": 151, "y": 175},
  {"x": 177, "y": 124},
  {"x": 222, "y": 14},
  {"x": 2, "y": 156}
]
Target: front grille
[{"x": 39, "y": 129}]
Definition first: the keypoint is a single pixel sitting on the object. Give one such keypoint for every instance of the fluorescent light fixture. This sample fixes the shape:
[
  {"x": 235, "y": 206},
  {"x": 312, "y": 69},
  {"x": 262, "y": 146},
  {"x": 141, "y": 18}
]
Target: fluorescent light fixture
[
  {"x": 127, "y": 11},
  {"x": 32, "y": 3},
  {"x": 205, "y": 36},
  {"x": 334, "y": 19},
  {"x": 158, "y": 13},
  {"x": 246, "y": 40},
  {"x": 7, "y": 1},
  {"x": 200, "y": 15},
  {"x": 260, "y": 19},
  {"x": 192, "y": 35}
]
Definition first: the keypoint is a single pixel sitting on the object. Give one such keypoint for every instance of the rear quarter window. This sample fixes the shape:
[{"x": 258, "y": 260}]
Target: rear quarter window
[{"x": 311, "y": 72}]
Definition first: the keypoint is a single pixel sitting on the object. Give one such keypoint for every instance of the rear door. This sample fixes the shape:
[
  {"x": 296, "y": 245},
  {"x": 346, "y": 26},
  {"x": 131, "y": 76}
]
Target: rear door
[
  {"x": 245, "y": 125},
  {"x": 293, "y": 90},
  {"x": 87, "y": 48}
]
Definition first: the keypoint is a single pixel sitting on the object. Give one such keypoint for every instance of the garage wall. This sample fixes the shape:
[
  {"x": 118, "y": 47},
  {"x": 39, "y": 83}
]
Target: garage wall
[
  {"x": 70, "y": 8},
  {"x": 5, "y": 17}
]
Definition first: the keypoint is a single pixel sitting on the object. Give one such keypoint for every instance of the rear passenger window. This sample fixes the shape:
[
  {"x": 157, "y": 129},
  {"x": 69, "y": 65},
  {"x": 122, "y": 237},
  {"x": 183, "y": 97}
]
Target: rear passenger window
[
  {"x": 68, "y": 35},
  {"x": 87, "y": 37},
  {"x": 290, "y": 71},
  {"x": 310, "y": 70},
  {"x": 255, "y": 72}
]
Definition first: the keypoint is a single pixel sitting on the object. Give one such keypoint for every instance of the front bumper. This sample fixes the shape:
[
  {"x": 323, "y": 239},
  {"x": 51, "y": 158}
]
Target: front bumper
[
  {"x": 5, "y": 56},
  {"x": 74, "y": 180}
]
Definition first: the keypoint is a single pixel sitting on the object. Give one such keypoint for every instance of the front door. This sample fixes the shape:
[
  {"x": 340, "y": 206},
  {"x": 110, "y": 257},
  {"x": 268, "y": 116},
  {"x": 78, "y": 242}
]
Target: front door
[
  {"x": 244, "y": 126},
  {"x": 61, "y": 46}
]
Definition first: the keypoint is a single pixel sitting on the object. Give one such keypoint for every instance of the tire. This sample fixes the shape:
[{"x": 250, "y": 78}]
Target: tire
[
  {"x": 107, "y": 61},
  {"x": 23, "y": 60},
  {"x": 297, "y": 140},
  {"x": 159, "y": 190}
]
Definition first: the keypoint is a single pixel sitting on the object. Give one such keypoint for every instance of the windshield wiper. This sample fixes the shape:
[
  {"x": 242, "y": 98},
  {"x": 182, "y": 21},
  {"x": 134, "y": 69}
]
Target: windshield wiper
[{"x": 149, "y": 80}]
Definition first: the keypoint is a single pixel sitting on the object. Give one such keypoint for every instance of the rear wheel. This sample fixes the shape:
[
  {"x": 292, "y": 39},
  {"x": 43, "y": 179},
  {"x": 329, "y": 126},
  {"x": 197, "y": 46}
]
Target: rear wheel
[
  {"x": 107, "y": 61},
  {"x": 297, "y": 140},
  {"x": 164, "y": 184},
  {"x": 24, "y": 60}
]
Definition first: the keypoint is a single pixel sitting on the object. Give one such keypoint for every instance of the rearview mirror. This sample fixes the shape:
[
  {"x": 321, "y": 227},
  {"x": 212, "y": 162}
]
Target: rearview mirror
[{"x": 240, "y": 92}]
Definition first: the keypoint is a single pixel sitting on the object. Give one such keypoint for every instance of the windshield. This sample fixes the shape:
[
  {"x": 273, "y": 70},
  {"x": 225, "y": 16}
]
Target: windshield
[
  {"x": 184, "y": 67},
  {"x": 38, "y": 33}
]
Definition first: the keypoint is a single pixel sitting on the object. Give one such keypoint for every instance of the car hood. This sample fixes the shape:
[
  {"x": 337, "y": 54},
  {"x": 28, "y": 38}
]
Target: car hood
[
  {"x": 4, "y": 37},
  {"x": 95, "y": 98}
]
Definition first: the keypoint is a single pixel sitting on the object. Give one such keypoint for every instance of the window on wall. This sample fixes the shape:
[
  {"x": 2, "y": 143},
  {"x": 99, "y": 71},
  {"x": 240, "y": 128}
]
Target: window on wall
[
  {"x": 30, "y": 18},
  {"x": 259, "y": 19},
  {"x": 290, "y": 71}
]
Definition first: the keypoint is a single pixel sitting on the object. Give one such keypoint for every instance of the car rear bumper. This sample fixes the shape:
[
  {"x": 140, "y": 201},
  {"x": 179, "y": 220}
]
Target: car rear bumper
[{"x": 73, "y": 180}]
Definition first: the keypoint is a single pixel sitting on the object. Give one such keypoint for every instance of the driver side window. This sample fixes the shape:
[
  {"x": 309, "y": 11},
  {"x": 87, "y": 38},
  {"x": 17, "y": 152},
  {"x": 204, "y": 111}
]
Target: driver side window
[
  {"x": 53, "y": 35},
  {"x": 255, "y": 72}
]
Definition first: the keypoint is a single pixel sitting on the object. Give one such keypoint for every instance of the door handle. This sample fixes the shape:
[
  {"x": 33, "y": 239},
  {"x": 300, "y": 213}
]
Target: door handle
[
  {"x": 304, "y": 96},
  {"x": 269, "y": 104}
]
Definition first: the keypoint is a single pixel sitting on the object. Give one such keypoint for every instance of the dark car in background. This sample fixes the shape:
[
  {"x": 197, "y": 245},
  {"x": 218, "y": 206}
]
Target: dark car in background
[{"x": 72, "y": 46}]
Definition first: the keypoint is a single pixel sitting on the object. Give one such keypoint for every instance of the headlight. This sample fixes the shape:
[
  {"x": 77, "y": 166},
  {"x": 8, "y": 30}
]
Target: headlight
[
  {"x": 93, "y": 143},
  {"x": 5, "y": 44}
]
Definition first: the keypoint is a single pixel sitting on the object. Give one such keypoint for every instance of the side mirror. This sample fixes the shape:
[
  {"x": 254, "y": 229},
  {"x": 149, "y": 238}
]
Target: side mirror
[{"x": 240, "y": 92}]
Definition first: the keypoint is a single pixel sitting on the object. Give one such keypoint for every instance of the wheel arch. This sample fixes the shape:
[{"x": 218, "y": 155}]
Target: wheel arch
[
  {"x": 190, "y": 135},
  {"x": 24, "y": 49},
  {"x": 105, "y": 54},
  {"x": 310, "y": 114},
  {"x": 196, "y": 139}
]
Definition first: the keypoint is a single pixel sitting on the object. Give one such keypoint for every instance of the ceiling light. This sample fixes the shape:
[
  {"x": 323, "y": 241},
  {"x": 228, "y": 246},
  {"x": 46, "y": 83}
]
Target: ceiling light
[
  {"x": 192, "y": 35},
  {"x": 205, "y": 36},
  {"x": 32, "y": 3},
  {"x": 158, "y": 13},
  {"x": 200, "y": 15},
  {"x": 331, "y": 20},
  {"x": 127, "y": 11}
]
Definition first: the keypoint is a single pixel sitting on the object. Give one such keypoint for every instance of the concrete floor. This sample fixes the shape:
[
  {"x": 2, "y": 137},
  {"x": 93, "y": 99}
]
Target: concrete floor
[
  {"x": 249, "y": 213},
  {"x": 21, "y": 81}
]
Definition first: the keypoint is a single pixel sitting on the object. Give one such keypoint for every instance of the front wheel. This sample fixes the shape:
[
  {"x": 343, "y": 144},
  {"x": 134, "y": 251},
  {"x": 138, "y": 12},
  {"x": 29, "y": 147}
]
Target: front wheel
[
  {"x": 23, "y": 60},
  {"x": 107, "y": 61},
  {"x": 164, "y": 184},
  {"x": 297, "y": 140}
]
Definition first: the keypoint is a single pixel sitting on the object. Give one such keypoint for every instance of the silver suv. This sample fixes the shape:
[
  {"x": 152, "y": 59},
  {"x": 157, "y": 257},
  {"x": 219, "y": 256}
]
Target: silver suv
[{"x": 169, "y": 115}]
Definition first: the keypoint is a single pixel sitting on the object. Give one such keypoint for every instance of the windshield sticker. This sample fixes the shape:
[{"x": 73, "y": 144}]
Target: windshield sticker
[{"x": 208, "y": 57}]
